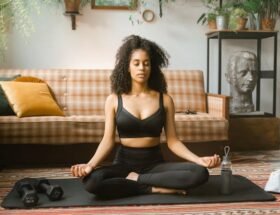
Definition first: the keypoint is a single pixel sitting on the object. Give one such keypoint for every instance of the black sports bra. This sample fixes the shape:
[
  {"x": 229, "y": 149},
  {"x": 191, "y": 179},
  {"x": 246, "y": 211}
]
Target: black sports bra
[{"x": 130, "y": 126}]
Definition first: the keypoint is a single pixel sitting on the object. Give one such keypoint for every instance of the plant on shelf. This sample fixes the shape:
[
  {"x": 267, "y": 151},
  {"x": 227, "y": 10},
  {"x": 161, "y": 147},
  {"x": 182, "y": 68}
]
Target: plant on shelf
[
  {"x": 216, "y": 15},
  {"x": 270, "y": 11},
  {"x": 209, "y": 17},
  {"x": 223, "y": 13},
  {"x": 253, "y": 7},
  {"x": 262, "y": 13},
  {"x": 238, "y": 17}
]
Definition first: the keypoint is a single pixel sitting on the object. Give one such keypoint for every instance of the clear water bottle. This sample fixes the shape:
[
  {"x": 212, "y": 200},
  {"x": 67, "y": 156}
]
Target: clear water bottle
[{"x": 226, "y": 173}]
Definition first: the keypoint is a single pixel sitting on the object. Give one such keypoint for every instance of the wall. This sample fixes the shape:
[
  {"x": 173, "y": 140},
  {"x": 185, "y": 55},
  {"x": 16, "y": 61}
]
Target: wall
[{"x": 99, "y": 33}]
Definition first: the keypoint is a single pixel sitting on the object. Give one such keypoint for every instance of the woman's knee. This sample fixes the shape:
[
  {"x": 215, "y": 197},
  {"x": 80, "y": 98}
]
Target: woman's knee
[
  {"x": 92, "y": 181},
  {"x": 201, "y": 175}
]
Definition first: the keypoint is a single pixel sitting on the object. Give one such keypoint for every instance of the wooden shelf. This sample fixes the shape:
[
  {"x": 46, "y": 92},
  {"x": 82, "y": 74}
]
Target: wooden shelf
[{"x": 242, "y": 34}]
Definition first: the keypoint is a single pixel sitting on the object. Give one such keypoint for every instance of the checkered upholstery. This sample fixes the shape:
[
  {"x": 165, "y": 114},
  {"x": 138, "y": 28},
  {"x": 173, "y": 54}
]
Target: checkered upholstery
[{"x": 82, "y": 94}]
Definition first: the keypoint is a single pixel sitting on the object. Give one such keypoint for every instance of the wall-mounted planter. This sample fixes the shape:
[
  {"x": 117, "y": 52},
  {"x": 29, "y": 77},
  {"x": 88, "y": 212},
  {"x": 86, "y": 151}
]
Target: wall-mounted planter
[
  {"x": 72, "y": 9},
  {"x": 72, "y": 6}
]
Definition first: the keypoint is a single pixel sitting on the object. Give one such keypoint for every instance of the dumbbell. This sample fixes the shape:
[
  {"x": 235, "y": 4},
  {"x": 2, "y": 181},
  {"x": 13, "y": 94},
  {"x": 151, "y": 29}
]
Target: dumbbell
[
  {"x": 54, "y": 192},
  {"x": 27, "y": 193}
]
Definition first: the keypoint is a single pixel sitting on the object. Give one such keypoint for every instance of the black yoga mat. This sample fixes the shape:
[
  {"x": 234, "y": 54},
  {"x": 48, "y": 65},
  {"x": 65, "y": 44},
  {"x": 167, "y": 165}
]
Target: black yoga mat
[{"x": 75, "y": 195}]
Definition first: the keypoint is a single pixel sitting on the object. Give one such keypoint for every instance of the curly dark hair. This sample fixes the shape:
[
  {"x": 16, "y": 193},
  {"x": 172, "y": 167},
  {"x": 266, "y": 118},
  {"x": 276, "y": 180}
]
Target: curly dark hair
[{"x": 120, "y": 77}]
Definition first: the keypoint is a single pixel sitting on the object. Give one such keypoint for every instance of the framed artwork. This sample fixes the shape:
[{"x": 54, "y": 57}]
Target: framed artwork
[{"x": 114, "y": 4}]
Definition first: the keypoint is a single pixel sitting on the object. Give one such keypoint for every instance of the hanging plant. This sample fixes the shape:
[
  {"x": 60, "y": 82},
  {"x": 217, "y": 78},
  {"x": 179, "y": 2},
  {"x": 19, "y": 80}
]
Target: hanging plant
[{"x": 16, "y": 13}]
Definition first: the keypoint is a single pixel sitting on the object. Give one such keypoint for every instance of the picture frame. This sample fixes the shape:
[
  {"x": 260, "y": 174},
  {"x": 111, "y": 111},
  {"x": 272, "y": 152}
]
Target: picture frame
[{"x": 114, "y": 4}]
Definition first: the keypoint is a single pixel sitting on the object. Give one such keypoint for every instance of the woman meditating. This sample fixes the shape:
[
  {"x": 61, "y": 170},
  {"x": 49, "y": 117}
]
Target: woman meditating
[{"x": 139, "y": 108}]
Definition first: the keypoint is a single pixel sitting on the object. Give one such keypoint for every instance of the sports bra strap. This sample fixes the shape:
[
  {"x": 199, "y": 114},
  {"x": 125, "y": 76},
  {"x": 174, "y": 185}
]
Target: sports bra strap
[
  {"x": 161, "y": 100},
  {"x": 120, "y": 104}
]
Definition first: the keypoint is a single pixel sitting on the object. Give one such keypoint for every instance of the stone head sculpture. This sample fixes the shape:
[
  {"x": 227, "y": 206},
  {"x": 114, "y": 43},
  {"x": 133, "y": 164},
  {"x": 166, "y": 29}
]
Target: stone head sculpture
[{"x": 242, "y": 76}]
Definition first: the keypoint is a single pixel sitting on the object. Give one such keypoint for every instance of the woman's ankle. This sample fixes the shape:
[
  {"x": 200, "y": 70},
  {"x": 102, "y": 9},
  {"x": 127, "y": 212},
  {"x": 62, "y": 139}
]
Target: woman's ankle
[
  {"x": 167, "y": 191},
  {"x": 133, "y": 176}
]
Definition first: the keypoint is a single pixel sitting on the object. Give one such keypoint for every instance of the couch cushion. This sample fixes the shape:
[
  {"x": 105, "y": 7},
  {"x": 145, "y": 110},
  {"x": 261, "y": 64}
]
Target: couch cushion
[
  {"x": 5, "y": 108},
  {"x": 55, "y": 78},
  {"x": 31, "y": 99},
  {"x": 187, "y": 89},
  {"x": 87, "y": 91},
  {"x": 52, "y": 130}
]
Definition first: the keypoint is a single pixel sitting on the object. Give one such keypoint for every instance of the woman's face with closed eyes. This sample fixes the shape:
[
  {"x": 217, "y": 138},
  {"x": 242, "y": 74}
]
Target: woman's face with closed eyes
[{"x": 140, "y": 66}]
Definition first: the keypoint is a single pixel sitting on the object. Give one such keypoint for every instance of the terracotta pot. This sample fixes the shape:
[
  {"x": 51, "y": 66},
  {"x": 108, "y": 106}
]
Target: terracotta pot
[
  {"x": 241, "y": 23},
  {"x": 72, "y": 6},
  {"x": 268, "y": 24},
  {"x": 212, "y": 24}
]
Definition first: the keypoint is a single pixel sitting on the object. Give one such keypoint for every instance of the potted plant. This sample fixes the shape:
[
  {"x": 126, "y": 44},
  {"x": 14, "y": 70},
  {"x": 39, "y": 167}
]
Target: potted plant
[
  {"x": 238, "y": 18},
  {"x": 222, "y": 16},
  {"x": 210, "y": 18},
  {"x": 72, "y": 6},
  {"x": 270, "y": 11},
  {"x": 17, "y": 14},
  {"x": 253, "y": 7},
  {"x": 210, "y": 15}
]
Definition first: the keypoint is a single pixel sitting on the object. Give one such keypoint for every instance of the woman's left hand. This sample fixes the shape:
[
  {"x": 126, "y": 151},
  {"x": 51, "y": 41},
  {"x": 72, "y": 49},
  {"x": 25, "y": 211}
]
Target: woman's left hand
[{"x": 210, "y": 161}]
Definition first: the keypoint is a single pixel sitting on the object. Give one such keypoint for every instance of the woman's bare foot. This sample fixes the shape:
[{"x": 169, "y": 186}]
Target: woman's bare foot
[
  {"x": 168, "y": 191},
  {"x": 132, "y": 176}
]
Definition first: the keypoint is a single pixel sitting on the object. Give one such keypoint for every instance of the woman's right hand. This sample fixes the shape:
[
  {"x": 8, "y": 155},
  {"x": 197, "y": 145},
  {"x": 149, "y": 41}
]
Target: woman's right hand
[{"x": 81, "y": 170}]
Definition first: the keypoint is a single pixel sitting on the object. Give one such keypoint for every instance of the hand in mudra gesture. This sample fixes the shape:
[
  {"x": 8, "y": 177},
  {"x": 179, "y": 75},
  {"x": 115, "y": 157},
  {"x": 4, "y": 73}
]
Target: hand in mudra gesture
[
  {"x": 81, "y": 170},
  {"x": 210, "y": 161}
]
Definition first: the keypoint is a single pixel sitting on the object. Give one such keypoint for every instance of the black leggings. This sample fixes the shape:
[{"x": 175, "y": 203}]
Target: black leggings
[{"x": 110, "y": 181}]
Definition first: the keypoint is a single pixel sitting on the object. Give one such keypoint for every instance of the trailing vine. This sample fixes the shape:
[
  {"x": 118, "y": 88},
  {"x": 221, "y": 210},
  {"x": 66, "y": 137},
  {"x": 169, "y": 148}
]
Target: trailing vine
[{"x": 16, "y": 13}]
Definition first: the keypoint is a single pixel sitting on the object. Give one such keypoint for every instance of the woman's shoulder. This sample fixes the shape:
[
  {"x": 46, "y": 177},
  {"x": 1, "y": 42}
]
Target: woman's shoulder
[
  {"x": 167, "y": 100},
  {"x": 112, "y": 99},
  {"x": 167, "y": 97}
]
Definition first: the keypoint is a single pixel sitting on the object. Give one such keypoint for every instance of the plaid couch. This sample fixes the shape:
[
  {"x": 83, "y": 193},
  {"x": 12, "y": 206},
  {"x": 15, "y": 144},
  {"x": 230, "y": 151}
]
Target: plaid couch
[{"x": 82, "y": 93}]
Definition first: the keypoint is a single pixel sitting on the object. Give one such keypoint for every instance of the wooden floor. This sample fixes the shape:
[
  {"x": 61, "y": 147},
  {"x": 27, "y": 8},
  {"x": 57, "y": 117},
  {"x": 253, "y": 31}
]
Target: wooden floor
[{"x": 256, "y": 166}]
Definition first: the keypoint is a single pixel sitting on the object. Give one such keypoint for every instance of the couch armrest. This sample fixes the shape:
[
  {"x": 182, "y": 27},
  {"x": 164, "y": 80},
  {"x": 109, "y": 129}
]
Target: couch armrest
[{"x": 217, "y": 105}]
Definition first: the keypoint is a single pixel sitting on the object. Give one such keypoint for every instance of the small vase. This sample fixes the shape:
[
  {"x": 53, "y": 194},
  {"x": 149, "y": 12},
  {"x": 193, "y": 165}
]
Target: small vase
[
  {"x": 257, "y": 19},
  {"x": 251, "y": 22}
]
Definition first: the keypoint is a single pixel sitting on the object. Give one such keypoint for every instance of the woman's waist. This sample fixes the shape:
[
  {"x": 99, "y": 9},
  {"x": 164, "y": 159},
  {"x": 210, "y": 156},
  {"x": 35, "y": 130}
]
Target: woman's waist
[
  {"x": 142, "y": 142},
  {"x": 138, "y": 156}
]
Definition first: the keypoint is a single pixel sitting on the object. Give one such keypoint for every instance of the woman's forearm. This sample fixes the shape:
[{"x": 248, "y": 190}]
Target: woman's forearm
[
  {"x": 182, "y": 151},
  {"x": 104, "y": 148}
]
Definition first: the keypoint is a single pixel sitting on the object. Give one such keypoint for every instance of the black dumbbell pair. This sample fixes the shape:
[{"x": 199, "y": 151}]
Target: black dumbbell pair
[{"x": 28, "y": 188}]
